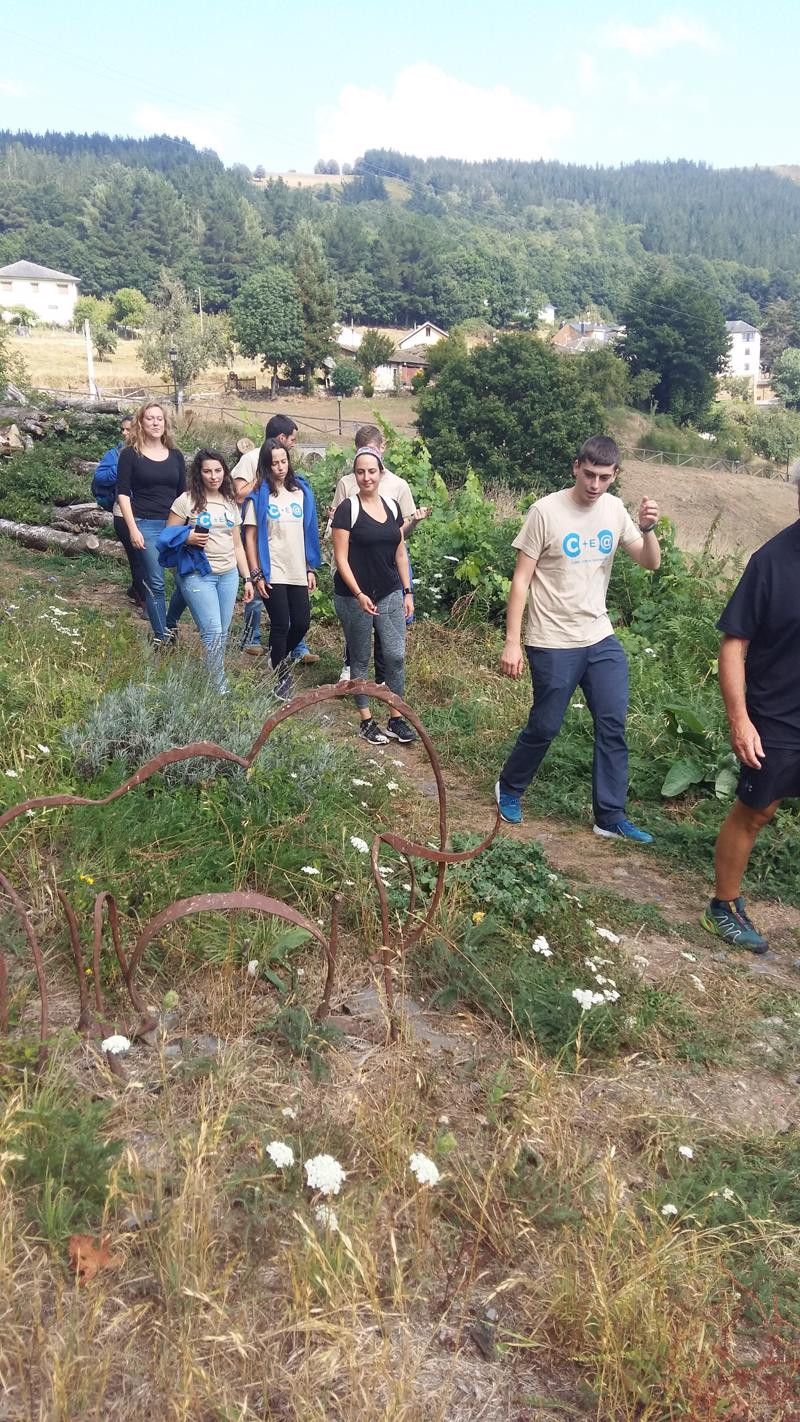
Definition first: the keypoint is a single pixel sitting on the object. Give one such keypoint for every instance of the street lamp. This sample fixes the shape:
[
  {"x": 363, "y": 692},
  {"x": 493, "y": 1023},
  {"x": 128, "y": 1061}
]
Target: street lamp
[{"x": 173, "y": 360}]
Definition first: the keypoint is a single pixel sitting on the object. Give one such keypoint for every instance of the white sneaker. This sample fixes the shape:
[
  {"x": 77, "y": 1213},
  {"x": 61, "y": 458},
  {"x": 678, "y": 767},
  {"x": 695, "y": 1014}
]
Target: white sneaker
[{"x": 344, "y": 674}]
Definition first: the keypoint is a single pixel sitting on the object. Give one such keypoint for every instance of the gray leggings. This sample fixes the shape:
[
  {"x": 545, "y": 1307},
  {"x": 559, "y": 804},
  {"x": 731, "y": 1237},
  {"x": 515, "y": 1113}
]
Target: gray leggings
[{"x": 357, "y": 626}]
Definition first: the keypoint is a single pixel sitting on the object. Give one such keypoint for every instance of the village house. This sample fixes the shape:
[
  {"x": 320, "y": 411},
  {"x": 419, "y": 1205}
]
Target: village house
[
  {"x": 408, "y": 356},
  {"x": 744, "y": 351},
  {"x": 578, "y": 336},
  {"x": 49, "y": 294}
]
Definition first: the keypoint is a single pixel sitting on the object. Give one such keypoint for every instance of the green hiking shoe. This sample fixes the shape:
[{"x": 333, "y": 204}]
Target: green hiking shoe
[{"x": 727, "y": 919}]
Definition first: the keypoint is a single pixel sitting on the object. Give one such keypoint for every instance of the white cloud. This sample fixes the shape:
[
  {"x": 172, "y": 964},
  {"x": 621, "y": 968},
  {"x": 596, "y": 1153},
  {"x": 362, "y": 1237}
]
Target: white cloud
[
  {"x": 665, "y": 33},
  {"x": 14, "y": 90},
  {"x": 430, "y": 113},
  {"x": 202, "y": 130}
]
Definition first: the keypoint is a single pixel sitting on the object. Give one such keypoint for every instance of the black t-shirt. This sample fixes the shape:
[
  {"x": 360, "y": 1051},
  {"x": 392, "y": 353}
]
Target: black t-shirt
[
  {"x": 765, "y": 611},
  {"x": 151, "y": 484},
  {"x": 371, "y": 553}
]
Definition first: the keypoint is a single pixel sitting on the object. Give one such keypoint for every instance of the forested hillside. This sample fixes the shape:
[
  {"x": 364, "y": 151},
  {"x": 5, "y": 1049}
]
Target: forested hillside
[{"x": 487, "y": 239}]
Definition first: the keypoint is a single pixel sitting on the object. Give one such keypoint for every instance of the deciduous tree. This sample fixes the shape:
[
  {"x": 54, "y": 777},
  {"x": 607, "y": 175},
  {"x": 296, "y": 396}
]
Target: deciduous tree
[
  {"x": 268, "y": 320},
  {"x": 514, "y": 411},
  {"x": 677, "y": 329}
]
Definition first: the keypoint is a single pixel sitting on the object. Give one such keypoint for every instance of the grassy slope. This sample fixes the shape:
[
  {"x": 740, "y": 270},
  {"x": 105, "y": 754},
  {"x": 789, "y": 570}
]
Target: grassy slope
[{"x": 540, "y": 1273}]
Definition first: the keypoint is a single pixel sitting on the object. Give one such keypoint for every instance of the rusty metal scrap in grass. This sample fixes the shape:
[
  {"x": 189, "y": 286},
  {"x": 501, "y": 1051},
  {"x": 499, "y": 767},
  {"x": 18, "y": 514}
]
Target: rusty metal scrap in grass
[{"x": 92, "y": 1020}]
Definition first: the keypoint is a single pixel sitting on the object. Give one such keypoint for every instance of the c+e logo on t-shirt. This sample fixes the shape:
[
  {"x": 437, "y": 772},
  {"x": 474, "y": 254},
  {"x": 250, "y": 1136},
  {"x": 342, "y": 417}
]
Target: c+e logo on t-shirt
[{"x": 573, "y": 544}]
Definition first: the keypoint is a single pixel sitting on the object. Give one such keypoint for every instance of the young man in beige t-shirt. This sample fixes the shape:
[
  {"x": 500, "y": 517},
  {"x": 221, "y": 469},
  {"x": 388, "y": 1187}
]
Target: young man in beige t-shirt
[{"x": 566, "y": 548}]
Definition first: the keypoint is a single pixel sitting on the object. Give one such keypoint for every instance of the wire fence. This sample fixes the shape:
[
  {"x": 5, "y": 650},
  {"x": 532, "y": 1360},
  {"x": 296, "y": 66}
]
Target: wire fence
[{"x": 697, "y": 461}]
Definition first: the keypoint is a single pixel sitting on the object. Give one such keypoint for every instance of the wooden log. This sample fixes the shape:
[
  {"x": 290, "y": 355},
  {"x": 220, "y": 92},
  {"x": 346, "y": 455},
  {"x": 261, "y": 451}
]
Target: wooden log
[
  {"x": 45, "y": 540},
  {"x": 81, "y": 516}
]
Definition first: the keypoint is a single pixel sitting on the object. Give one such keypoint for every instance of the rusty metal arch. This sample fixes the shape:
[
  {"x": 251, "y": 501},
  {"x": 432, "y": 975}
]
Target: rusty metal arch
[{"x": 393, "y": 944}]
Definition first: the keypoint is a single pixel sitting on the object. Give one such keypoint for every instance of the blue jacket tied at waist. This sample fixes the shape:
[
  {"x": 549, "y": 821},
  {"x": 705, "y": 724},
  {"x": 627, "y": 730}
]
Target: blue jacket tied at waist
[{"x": 260, "y": 498}]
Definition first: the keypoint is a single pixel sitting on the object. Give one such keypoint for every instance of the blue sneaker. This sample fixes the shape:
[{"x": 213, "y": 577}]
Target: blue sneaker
[
  {"x": 623, "y": 829},
  {"x": 510, "y": 806}
]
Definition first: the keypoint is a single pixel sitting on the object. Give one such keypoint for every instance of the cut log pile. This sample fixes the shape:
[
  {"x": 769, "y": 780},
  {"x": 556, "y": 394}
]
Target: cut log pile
[{"x": 71, "y": 529}]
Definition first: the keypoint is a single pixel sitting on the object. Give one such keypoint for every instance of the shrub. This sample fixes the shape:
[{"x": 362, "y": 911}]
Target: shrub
[{"x": 345, "y": 378}]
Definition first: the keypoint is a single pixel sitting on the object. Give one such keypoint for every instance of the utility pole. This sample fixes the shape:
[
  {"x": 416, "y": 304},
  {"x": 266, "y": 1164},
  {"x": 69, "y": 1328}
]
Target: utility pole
[{"x": 94, "y": 393}]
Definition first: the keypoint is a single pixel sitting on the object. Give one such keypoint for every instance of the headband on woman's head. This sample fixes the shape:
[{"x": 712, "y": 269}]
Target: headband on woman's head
[{"x": 368, "y": 449}]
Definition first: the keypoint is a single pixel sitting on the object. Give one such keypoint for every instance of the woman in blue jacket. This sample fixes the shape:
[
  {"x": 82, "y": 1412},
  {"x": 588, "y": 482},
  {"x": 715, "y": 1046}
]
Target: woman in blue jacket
[{"x": 281, "y": 539}]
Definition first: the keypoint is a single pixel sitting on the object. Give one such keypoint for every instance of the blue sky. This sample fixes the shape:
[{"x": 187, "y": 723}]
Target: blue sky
[{"x": 285, "y": 84}]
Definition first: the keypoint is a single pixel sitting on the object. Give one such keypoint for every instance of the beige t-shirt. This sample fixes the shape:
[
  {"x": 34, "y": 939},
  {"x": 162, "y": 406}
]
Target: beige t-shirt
[
  {"x": 287, "y": 544},
  {"x": 225, "y": 517},
  {"x": 574, "y": 549},
  {"x": 247, "y": 467},
  {"x": 391, "y": 487}
]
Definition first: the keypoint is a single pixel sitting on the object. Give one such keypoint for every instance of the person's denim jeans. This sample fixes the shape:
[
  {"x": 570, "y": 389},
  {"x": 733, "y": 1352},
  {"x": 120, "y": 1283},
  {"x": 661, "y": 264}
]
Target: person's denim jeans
[
  {"x": 251, "y": 630},
  {"x": 601, "y": 672},
  {"x": 211, "y": 600},
  {"x": 161, "y": 620}
]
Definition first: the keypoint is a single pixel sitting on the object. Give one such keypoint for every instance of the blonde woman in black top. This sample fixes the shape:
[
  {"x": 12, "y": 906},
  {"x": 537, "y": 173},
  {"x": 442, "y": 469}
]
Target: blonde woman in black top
[{"x": 150, "y": 476}]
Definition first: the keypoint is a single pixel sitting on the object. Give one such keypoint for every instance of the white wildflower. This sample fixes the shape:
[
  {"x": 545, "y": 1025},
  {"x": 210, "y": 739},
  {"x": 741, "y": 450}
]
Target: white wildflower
[
  {"x": 359, "y": 844},
  {"x": 728, "y": 1193},
  {"x": 424, "y": 1168},
  {"x": 12, "y": 775},
  {"x": 363, "y": 804},
  {"x": 579, "y": 705},
  {"x": 115, "y": 1045},
  {"x": 573, "y": 899},
  {"x": 325, "y": 1174},
  {"x": 587, "y": 998},
  {"x": 444, "y": 1120},
  {"x": 607, "y": 934},
  {"x": 610, "y": 995},
  {"x": 407, "y": 888},
  {"x": 280, "y": 1154},
  {"x": 292, "y": 774},
  {"x": 690, "y": 958},
  {"x": 44, "y": 749},
  {"x": 541, "y": 945},
  {"x": 326, "y": 1217},
  {"x": 640, "y": 961},
  {"x": 401, "y": 763},
  {"x": 668, "y": 1210},
  {"x": 686, "y": 1152},
  {"x": 350, "y": 883},
  {"x": 553, "y": 878},
  {"x": 392, "y": 785},
  {"x": 309, "y": 869},
  {"x": 649, "y": 652},
  {"x": 252, "y": 968},
  {"x": 290, "y": 1112},
  {"x": 384, "y": 869},
  {"x": 356, "y": 781},
  {"x": 604, "y": 982},
  {"x": 591, "y": 965},
  {"x": 59, "y": 612},
  {"x": 698, "y": 982}
]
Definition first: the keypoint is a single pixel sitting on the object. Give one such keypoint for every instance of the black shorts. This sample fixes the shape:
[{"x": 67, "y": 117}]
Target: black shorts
[{"x": 778, "y": 778}]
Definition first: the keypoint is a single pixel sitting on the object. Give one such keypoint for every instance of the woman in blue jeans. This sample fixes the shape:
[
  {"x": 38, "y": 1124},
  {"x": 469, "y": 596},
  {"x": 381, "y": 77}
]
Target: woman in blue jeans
[
  {"x": 209, "y": 506},
  {"x": 150, "y": 475}
]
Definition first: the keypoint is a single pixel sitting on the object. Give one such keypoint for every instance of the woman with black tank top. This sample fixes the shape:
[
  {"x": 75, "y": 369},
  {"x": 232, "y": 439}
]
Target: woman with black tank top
[
  {"x": 150, "y": 476},
  {"x": 373, "y": 579}
]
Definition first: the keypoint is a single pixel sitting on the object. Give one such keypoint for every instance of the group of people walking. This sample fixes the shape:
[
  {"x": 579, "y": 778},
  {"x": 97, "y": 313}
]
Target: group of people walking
[{"x": 261, "y": 525}]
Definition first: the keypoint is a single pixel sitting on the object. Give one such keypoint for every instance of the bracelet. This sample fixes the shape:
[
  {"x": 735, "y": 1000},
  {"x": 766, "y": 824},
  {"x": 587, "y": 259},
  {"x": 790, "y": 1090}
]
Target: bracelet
[
  {"x": 255, "y": 574},
  {"x": 649, "y": 528},
  {"x": 409, "y": 592}
]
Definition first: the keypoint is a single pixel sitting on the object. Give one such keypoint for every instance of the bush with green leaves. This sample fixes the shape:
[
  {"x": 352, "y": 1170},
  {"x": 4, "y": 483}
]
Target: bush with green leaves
[{"x": 345, "y": 378}]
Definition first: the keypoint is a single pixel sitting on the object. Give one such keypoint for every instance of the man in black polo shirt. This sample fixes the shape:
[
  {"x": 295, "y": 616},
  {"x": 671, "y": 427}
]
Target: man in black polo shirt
[{"x": 759, "y": 675}]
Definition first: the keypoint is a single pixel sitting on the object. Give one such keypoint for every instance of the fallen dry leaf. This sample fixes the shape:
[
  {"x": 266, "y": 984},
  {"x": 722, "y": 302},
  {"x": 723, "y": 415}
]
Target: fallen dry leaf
[{"x": 86, "y": 1257}]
